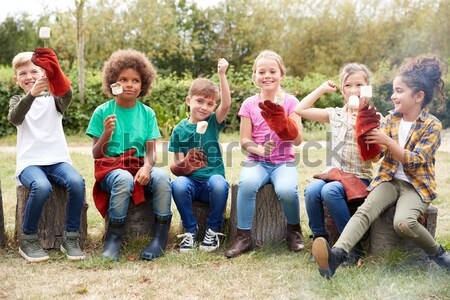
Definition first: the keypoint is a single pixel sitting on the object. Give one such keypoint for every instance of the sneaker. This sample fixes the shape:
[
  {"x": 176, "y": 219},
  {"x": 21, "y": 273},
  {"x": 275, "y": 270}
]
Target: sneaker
[
  {"x": 211, "y": 241},
  {"x": 31, "y": 249},
  {"x": 71, "y": 246},
  {"x": 187, "y": 244}
]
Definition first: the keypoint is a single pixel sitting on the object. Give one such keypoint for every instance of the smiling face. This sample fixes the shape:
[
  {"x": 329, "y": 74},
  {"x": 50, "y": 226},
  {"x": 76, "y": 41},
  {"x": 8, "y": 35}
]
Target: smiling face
[
  {"x": 405, "y": 100},
  {"x": 27, "y": 74},
  {"x": 352, "y": 85},
  {"x": 201, "y": 107},
  {"x": 131, "y": 83},
  {"x": 267, "y": 75}
]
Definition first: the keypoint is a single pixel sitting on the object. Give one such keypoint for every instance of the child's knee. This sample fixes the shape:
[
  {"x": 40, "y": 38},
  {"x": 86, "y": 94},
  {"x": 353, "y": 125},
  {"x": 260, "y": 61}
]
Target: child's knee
[{"x": 404, "y": 227}]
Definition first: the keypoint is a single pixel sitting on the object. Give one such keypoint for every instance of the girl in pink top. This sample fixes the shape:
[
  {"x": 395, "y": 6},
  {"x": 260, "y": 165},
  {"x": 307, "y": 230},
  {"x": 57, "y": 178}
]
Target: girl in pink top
[{"x": 269, "y": 129}]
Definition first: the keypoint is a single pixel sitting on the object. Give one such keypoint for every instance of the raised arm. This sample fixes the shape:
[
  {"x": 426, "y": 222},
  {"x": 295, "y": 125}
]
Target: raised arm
[
  {"x": 225, "y": 95},
  {"x": 305, "y": 109}
]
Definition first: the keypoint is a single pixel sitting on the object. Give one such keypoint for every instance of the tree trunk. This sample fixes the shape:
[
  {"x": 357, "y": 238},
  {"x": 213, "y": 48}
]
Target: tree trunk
[
  {"x": 140, "y": 218},
  {"x": 383, "y": 236},
  {"x": 53, "y": 218},
  {"x": 80, "y": 48},
  {"x": 2, "y": 221},
  {"x": 269, "y": 223}
]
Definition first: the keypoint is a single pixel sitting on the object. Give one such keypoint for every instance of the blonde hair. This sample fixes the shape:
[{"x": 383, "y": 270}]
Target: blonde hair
[
  {"x": 353, "y": 68},
  {"x": 204, "y": 87},
  {"x": 21, "y": 59},
  {"x": 269, "y": 54}
]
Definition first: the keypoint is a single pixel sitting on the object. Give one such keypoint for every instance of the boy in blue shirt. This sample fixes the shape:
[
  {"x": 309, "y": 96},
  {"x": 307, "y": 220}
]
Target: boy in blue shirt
[{"x": 198, "y": 160}]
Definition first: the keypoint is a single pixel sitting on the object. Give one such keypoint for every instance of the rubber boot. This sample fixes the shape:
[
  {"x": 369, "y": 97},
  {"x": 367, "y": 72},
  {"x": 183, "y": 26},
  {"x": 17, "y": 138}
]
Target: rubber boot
[
  {"x": 241, "y": 244},
  {"x": 160, "y": 234},
  {"x": 442, "y": 258},
  {"x": 113, "y": 240},
  {"x": 294, "y": 237},
  {"x": 328, "y": 260}
]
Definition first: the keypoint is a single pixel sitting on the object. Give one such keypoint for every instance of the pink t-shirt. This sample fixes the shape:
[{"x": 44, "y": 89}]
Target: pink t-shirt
[{"x": 283, "y": 151}]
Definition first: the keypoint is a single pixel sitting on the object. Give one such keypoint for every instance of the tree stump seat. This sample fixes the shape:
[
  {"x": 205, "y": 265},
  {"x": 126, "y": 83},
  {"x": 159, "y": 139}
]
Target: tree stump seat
[
  {"x": 53, "y": 218},
  {"x": 383, "y": 236},
  {"x": 269, "y": 223}
]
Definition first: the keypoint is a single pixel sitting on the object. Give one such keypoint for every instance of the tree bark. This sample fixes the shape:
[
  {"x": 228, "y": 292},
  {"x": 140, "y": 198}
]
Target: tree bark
[
  {"x": 80, "y": 48},
  {"x": 269, "y": 223},
  {"x": 383, "y": 236},
  {"x": 53, "y": 218}
]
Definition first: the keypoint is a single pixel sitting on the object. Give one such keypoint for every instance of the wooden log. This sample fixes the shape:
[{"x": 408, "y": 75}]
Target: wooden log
[
  {"x": 269, "y": 223},
  {"x": 53, "y": 218},
  {"x": 330, "y": 225},
  {"x": 2, "y": 221},
  {"x": 383, "y": 236},
  {"x": 201, "y": 212},
  {"x": 140, "y": 218}
]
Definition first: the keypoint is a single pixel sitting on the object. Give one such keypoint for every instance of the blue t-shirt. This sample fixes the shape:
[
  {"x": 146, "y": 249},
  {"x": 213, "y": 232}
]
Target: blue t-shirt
[
  {"x": 134, "y": 126},
  {"x": 185, "y": 137}
]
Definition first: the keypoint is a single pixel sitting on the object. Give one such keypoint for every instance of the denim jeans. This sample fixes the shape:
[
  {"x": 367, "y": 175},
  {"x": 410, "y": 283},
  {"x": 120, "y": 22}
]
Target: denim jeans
[
  {"x": 333, "y": 194},
  {"x": 254, "y": 175},
  {"x": 120, "y": 184},
  {"x": 39, "y": 180},
  {"x": 213, "y": 191}
]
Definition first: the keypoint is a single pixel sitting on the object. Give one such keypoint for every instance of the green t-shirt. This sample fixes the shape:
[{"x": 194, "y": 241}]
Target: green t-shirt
[
  {"x": 185, "y": 137},
  {"x": 134, "y": 126}
]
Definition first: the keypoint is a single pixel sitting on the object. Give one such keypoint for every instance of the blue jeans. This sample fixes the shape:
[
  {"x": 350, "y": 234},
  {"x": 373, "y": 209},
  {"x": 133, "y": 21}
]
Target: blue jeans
[
  {"x": 39, "y": 180},
  {"x": 120, "y": 184},
  {"x": 333, "y": 194},
  {"x": 254, "y": 175},
  {"x": 213, "y": 191}
]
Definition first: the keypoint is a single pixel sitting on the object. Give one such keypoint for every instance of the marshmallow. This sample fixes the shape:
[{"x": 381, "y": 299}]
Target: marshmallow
[
  {"x": 44, "y": 32},
  {"x": 201, "y": 127},
  {"x": 366, "y": 91},
  {"x": 116, "y": 88},
  {"x": 279, "y": 97},
  {"x": 353, "y": 102}
]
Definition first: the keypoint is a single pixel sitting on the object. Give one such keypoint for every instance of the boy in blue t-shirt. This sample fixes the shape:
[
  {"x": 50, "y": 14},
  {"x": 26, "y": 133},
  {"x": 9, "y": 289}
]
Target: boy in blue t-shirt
[
  {"x": 124, "y": 131},
  {"x": 198, "y": 159}
]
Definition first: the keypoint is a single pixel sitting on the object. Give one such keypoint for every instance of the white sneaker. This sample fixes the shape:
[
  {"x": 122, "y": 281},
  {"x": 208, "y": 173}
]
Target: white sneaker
[
  {"x": 187, "y": 244},
  {"x": 211, "y": 241}
]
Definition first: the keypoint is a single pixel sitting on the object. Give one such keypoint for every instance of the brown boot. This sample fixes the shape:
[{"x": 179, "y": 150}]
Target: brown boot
[
  {"x": 241, "y": 244},
  {"x": 294, "y": 237}
]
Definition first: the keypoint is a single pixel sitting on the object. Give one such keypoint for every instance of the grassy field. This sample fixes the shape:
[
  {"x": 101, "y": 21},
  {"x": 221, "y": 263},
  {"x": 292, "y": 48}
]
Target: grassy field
[{"x": 271, "y": 272}]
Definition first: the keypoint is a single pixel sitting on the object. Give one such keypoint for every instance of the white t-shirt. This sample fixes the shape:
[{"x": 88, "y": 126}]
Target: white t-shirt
[
  {"x": 403, "y": 131},
  {"x": 40, "y": 137}
]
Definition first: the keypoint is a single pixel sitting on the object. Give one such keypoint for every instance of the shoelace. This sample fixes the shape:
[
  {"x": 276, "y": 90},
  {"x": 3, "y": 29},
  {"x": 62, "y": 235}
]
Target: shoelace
[
  {"x": 34, "y": 245},
  {"x": 212, "y": 236},
  {"x": 74, "y": 242},
  {"x": 188, "y": 239}
]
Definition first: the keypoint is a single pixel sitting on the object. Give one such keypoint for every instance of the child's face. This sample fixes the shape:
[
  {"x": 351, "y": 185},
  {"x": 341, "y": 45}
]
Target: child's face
[
  {"x": 267, "y": 75},
  {"x": 404, "y": 98},
  {"x": 27, "y": 74},
  {"x": 352, "y": 85},
  {"x": 131, "y": 83},
  {"x": 201, "y": 107}
]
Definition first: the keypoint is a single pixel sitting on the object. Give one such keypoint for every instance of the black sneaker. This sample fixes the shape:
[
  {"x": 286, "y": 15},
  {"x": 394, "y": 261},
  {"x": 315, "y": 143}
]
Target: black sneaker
[
  {"x": 31, "y": 249},
  {"x": 188, "y": 241},
  {"x": 211, "y": 241}
]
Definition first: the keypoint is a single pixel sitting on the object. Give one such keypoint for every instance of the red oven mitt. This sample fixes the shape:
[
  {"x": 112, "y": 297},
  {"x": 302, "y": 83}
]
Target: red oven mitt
[
  {"x": 276, "y": 118},
  {"x": 355, "y": 189},
  {"x": 194, "y": 160},
  {"x": 366, "y": 120},
  {"x": 58, "y": 82}
]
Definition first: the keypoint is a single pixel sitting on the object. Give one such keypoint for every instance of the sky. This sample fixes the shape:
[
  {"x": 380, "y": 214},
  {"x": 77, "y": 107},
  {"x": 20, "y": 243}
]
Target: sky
[{"x": 35, "y": 7}]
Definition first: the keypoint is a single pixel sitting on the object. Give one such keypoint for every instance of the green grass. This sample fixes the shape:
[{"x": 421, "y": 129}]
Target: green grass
[{"x": 270, "y": 272}]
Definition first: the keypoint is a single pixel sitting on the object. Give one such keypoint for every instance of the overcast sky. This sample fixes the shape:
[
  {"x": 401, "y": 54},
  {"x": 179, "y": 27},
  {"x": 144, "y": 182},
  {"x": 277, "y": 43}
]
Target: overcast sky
[{"x": 35, "y": 7}]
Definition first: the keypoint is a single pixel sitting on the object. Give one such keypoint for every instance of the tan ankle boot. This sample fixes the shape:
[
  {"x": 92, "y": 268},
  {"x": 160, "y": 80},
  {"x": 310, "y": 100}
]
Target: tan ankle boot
[
  {"x": 241, "y": 244},
  {"x": 294, "y": 237}
]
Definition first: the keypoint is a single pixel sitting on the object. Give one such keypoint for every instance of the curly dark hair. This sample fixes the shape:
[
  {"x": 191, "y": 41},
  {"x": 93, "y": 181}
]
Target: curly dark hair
[
  {"x": 128, "y": 59},
  {"x": 424, "y": 73}
]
